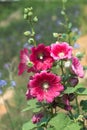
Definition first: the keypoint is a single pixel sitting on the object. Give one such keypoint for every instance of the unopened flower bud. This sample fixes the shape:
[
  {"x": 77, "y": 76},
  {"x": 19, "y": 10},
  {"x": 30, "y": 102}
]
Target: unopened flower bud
[
  {"x": 30, "y": 13},
  {"x": 71, "y": 96},
  {"x": 31, "y": 40},
  {"x": 55, "y": 35},
  {"x": 25, "y": 10},
  {"x": 33, "y": 33},
  {"x": 79, "y": 55},
  {"x": 37, "y": 117},
  {"x": 27, "y": 33},
  {"x": 30, "y": 9},
  {"x": 35, "y": 19},
  {"x": 30, "y": 64},
  {"x": 25, "y": 16},
  {"x": 73, "y": 81}
]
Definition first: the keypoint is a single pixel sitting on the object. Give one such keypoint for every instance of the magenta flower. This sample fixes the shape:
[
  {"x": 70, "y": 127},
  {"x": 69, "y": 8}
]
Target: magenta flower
[
  {"x": 45, "y": 86},
  {"x": 61, "y": 51},
  {"x": 41, "y": 58},
  {"x": 24, "y": 61},
  {"x": 37, "y": 118},
  {"x": 77, "y": 68}
]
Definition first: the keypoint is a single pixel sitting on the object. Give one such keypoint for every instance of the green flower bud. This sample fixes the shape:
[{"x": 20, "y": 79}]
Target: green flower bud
[
  {"x": 30, "y": 13},
  {"x": 35, "y": 19},
  {"x": 64, "y": 35},
  {"x": 62, "y": 12},
  {"x": 25, "y": 16},
  {"x": 55, "y": 35},
  {"x": 31, "y": 40},
  {"x": 25, "y": 10},
  {"x": 30, "y": 9},
  {"x": 33, "y": 33},
  {"x": 30, "y": 64},
  {"x": 27, "y": 33},
  {"x": 79, "y": 55}
]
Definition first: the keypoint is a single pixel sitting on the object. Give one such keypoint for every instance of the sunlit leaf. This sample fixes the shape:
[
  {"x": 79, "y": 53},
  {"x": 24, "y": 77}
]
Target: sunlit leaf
[
  {"x": 63, "y": 122},
  {"x": 28, "y": 126}
]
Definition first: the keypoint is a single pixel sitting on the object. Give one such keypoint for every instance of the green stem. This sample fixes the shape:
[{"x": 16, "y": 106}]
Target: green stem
[
  {"x": 62, "y": 67},
  {"x": 71, "y": 114},
  {"x": 77, "y": 104},
  {"x": 32, "y": 29}
]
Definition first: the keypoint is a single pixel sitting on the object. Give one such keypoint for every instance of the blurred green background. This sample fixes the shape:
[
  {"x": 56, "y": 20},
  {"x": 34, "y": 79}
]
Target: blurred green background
[{"x": 12, "y": 39}]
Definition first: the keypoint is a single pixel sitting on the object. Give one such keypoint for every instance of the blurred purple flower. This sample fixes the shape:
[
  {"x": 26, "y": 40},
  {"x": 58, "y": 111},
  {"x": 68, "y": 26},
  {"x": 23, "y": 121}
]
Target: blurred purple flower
[
  {"x": 13, "y": 83},
  {"x": 1, "y": 91},
  {"x": 58, "y": 22},
  {"x": 6, "y": 66},
  {"x": 26, "y": 45},
  {"x": 3, "y": 83},
  {"x": 38, "y": 37},
  {"x": 76, "y": 46},
  {"x": 76, "y": 30}
]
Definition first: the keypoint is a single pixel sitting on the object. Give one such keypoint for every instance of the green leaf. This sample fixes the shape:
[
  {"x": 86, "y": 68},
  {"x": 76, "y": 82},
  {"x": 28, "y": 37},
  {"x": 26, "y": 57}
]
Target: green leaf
[
  {"x": 33, "y": 105},
  {"x": 40, "y": 128},
  {"x": 51, "y": 128},
  {"x": 72, "y": 89},
  {"x": 26, "y": 109},
  {"x": 29, "y": 126},
  {"x": 59, "y": 121},
  {"x": 62, "y": 122},
  {"x": 83, "y": 103},
  {"x": 73, "y": 126},
  {"x": 56, "y": 69},
  {"x": 81, "y": 91}
]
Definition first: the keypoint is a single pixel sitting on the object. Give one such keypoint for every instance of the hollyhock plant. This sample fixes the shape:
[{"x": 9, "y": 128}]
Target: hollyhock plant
[
  {"x": 61, "y": 51},
  {"x": 54, "y": 85},
  {"x": 41, "y": 58},
  {"x": 45, "y": 86},
  {"x": 77, "y": 68}
]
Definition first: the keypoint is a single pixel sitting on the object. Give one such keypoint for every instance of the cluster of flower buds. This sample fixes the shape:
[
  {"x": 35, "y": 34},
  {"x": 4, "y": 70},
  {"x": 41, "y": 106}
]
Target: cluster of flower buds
[{"x": 28, "y": 15}]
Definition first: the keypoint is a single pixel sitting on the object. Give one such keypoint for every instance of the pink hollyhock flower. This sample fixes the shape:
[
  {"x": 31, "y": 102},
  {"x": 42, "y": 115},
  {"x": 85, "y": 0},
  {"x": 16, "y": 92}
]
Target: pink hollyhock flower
[
  {"x": 41, "y": 58},
  {"x": 24, "y": 61},
  {"x": 61, "y": 51},
  {"x": 37, "y": 118},
  {"x": 77, "y": 68},
  {"x": 45, "y": 86},
  {"x": 66, "y": 102}
]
